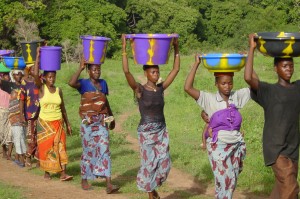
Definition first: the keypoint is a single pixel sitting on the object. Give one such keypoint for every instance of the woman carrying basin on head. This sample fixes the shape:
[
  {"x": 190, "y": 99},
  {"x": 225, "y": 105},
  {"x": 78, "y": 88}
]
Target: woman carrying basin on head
[{"x": 226, "y": 147}]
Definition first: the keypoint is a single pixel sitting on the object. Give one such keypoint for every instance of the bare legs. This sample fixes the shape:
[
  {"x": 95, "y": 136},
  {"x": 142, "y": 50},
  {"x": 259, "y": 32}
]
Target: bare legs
[
  {"x": 4, "y": 151},
  {"x": 9, "y": 151}
]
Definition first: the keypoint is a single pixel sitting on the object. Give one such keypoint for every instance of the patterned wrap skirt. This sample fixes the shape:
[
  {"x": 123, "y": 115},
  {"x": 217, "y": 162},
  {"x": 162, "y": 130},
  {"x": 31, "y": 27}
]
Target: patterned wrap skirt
[
  {"x": 226, "y": 161},
  {"x": 95, "y": 159},
  {"x": 155, "y": 156},
  {"x": 5, "y": 130},
  {"x": 51, "y": 140},
  {"x": 31, "y": 137}
]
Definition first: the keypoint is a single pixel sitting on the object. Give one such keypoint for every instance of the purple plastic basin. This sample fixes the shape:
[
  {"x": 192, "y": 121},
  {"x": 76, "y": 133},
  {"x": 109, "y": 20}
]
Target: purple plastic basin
[
  {"x": 6, "y": 52},
  {"x": 151, "y": 49},
  {"x": 50, "y": 58},
  {"x": 94, "y": 48}
]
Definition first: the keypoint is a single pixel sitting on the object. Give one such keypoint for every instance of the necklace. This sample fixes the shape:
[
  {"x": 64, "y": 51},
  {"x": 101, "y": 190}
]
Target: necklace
[{"x": 154, "y": 89}]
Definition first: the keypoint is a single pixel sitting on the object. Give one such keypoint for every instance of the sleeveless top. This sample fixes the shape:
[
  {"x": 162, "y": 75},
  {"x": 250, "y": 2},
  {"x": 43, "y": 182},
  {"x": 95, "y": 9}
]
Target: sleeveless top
[
  {"x": 50, "y": 105},
  {"x": 151, "y": 105}
]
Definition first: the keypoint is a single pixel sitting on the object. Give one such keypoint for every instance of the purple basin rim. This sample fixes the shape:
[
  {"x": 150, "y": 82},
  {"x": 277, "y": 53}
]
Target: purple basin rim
[
  {"x": 95, "y": 37},
  {"x": 51, "y": 47},
  {"x": 155, "y": 36}
]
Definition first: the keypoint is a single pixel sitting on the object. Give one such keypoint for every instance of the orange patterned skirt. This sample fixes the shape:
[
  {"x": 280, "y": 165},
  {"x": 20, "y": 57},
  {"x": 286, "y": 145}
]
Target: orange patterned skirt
[{"x": 51, "y": 139}]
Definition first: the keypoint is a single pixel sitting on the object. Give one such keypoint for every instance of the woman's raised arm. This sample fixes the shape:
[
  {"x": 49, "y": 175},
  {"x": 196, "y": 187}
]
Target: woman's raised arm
[
  {"x": 129, "y": 77},
  {"x": 188, "y": 86}
]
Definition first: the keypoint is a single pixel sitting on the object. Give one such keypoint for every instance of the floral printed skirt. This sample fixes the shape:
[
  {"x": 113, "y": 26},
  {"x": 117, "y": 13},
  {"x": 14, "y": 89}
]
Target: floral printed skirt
[
  {"x": 95, "y": 159},
  {"x": 155, "y": 156},
  {"x": 226, "y": 162}
]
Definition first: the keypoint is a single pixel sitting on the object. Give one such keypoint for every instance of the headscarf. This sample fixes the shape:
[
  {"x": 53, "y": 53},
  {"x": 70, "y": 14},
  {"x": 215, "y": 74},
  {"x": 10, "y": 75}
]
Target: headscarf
[{"x": 15, "y": 71}]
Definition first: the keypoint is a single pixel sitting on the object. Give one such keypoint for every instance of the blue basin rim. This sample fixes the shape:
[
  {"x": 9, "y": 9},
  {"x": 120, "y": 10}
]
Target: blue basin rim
[{"x": 212, "y": 56}]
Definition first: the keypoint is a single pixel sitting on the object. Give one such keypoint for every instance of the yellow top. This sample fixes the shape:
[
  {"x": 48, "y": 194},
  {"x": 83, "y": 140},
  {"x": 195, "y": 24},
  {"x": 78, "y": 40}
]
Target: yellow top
[{"x": 50, "y": 105}]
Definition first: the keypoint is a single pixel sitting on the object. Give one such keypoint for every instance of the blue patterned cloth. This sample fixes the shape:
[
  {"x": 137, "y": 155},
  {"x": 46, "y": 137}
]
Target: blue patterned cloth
[
  {"x": 95, "y": 159},
  {"x": 155, "y": 156},
  {"x": 226, "y": 162}
]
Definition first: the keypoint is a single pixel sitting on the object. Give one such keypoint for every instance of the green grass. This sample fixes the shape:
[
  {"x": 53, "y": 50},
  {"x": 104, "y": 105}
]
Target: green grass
[
  {"x": 10, "y": 192},
  {"x": 183, "y": 122}
]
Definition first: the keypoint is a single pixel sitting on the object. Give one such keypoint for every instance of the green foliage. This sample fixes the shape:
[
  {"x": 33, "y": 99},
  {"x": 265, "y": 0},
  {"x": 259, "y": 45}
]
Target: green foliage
[
  {"x": 73, "y": 18},
  {"x": 217, "y": 24},
  {"x": 163, "y": 16},
  {"x": 10, "y": 12}
]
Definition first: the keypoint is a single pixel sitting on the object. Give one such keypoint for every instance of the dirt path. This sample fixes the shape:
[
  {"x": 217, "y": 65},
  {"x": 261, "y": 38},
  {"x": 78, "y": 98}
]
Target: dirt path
[{"x": 35, "y": 187}]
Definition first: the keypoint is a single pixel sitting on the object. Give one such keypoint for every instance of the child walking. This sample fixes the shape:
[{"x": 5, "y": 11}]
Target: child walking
[{"x": 18, "y": 129}]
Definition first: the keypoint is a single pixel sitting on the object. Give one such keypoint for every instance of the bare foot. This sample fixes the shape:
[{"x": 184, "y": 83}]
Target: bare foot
[
  {"x": 112, "y": 188},
  {"x": 47, "y": 176},
  {"x": 85, "y": 185},
  {"x": 28, "y": 162}
]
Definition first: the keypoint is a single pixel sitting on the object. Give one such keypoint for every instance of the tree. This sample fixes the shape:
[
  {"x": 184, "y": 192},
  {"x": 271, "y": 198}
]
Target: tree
[
  {"x": 27, "y": 31},
  {"x": 151, "y": 16},
  {"x": 10, "y": 12}
]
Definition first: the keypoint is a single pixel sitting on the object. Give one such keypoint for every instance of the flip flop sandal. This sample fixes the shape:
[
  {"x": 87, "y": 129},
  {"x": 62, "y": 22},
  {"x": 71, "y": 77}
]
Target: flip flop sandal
[
  {"x": 87, "y": 187},
  {"x": 66, "y": 178},
  {"x": 28, "y": 164},
  {"x": 112, "y": 189},
  {"x": 21, "y": 165},
  {"x": 16, "y": 162}
]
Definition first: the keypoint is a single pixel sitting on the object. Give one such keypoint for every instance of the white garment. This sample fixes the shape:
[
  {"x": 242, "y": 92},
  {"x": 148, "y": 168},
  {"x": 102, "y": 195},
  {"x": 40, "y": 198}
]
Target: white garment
[
  {"x": 213, "y": 102},
  {"x": 19, "y": 136},
  {"x": 230, "y": 137}
]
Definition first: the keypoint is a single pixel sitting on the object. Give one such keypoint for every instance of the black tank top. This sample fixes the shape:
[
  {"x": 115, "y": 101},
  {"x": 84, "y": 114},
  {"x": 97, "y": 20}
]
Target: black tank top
[{"x": 151, "y": 105}]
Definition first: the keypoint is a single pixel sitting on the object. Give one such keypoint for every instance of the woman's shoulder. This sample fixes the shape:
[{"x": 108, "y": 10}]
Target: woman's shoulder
[{"x": 83, "y": 80}]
